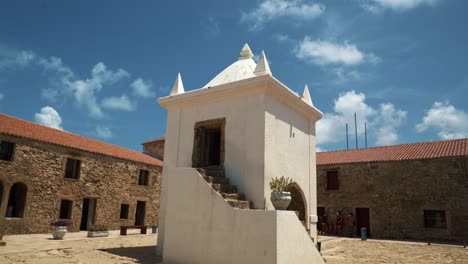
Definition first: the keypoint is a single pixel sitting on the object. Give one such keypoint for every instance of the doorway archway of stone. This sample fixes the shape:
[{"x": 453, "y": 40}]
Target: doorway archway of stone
[
  {"x": 17, "y": 200},
  {"x": 298, "y": 202}
]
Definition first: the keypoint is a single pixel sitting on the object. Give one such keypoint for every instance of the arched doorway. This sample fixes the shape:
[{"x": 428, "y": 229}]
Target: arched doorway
[
  {"x": 298, "y": 202},
  {"x": 17, "y": 200}
]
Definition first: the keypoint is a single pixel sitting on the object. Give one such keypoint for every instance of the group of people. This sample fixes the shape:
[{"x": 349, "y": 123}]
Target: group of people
[{"x": 329, "y": 225}]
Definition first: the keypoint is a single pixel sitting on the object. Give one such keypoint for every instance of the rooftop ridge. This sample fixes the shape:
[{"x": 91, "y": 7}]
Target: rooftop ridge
[
  {"x": 403, "y": 144},
  {"x": 30, "y": 130},
  {"x": 407, "y": 151}
]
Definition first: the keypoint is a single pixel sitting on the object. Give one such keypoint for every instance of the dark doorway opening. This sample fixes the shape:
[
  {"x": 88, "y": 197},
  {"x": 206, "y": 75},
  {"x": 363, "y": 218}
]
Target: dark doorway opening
[
  {"x": 17, "y": 200},
  {"x": 298, "y": 203},
  {"x": 363, "y": 220},
  {"x": 208, "y": 146},
  {"x": 321, "y": 221},
  {"x": 140, "y": 213},
  {"x": 88, "y": 215},
  {"x": 66, "y": 207}
]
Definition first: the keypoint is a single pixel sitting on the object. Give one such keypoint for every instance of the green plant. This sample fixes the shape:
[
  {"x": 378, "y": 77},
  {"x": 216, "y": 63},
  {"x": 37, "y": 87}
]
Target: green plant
[
  {"x": 98, "y": 228},
  {"x": 279, "y": 184}
]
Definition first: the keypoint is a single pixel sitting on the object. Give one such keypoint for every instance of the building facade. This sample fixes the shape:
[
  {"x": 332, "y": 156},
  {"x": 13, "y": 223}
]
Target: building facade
[
  {"x": 406, "y": 191},
  {"x": 48, "y": 174}
]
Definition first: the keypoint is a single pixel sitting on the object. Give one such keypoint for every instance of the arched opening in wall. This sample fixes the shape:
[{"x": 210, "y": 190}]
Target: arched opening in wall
[
  {"x": 298, "y": 202},
  {"x": 17, "y": 200}
]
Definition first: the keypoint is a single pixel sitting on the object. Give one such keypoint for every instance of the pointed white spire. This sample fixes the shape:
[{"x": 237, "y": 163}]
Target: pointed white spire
[
  {"x": 246, "y": 53},
  {"x": 178, "y": 87},
  {"x": 306, "y": 95},
  {"x": 262, "y": 65}
]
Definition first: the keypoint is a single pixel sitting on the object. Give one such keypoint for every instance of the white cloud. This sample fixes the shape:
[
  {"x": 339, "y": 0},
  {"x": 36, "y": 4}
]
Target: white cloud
[
  {"x": 48, "y": 116},
  {"x": 103, "y": 132},
  {"x": 385, "y": 120},
  {"x": 446, "y": 119},
  {"x": 376, "y": 6},
  {"x": 10, "y": 59},
  {"x": 50, "y": 94},
  {"x": 212, "y": 26},
  {"x": 281, "y": 38},
  {"x": 85, "y": 90},
  {"x": 142, "y": 88},
  {"x": 388, "y": 122},
  {"x": 269, "y": 10},
  {"x": 64, "y": 83},
  {"x": 118, "y": 103},
  {"x": 324, "y": 52}
]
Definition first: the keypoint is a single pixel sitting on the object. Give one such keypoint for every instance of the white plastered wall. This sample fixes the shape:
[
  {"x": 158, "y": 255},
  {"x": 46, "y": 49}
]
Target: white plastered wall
[
  {"x": 289, "y": 151},
  {"x": 203, "y": 228},
  {"x": 244, "y": 145}
]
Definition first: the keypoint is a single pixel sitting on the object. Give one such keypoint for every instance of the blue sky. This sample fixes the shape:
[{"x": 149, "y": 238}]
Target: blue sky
[{"x": 96, "y": 68}]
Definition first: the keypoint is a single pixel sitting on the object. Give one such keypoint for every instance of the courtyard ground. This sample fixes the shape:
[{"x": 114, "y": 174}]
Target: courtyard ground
[
  {"x": 353, "y": 250},
  {"x": 136, "y": 248}
]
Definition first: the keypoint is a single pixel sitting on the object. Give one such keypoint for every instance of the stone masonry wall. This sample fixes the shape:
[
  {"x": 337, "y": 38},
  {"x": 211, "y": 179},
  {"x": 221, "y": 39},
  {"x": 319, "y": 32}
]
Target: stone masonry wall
[
  {"x": 398, "y": 192},
  {"x": 41, "y": 166},
  {"x": 155, "y": 147}
]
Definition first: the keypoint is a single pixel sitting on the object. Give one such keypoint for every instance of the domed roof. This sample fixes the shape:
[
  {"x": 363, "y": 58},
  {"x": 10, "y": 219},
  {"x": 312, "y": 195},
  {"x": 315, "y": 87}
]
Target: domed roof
[
  {"x": 242, "y": 69},
  {"x": 239, "y": 70}
]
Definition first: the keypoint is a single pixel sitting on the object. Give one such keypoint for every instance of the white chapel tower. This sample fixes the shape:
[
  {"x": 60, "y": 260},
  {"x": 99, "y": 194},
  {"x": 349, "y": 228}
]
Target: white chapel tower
[{"x": 224, "y": 143}]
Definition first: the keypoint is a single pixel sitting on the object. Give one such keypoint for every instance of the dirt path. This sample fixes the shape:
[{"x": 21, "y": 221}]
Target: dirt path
[
  {"x": 340, "y": 251},
  {"x": 76, "y": 248},
  {"x": 135, "y": 248}
]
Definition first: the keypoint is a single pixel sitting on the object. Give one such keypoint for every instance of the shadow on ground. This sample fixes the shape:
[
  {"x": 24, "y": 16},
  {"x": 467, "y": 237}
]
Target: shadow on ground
[{"x": 142, "y": 255}]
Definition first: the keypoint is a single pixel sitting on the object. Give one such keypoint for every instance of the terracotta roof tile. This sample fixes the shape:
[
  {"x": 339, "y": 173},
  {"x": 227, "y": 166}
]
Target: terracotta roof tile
[
  {"x": 21, "y": 128},
  {"x": 423, "y": 150}
]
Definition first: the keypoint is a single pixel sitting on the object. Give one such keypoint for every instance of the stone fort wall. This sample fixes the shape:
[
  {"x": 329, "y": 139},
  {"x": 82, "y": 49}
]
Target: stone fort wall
[
  {"x": 41, "y": 167},
  {"x": 398, "y": 192}
]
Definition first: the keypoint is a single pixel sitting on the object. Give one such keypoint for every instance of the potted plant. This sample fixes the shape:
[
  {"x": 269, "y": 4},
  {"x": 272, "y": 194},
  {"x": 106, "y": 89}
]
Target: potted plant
[
  {"x": 98, "y": 231},
  {"x": 59, "y": 228},
  {"x": 279, "y": 197}
]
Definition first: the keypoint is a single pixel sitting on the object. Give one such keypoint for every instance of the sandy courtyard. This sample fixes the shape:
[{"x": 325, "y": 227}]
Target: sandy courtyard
[{"x": 136, "y": 248}]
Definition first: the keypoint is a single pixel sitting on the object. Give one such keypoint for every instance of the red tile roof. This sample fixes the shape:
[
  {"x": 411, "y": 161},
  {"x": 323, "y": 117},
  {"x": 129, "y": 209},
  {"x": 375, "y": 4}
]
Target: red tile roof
[
  {"x": 423, "y": 150},
  {"x": 21, "y": 128},
  {"x": 154, "y": 140}
]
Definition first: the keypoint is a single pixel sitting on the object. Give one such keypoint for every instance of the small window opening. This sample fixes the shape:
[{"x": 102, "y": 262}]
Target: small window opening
[
  {"x": 124, "y": 211},
  {"x": 435, "y": 219},
  {"x": 72, "y": 170},
  {"x": 143, "y": 178},
  {"x": 6, "y": 150},
  {"x": 332, "y": 180},
  {"x": 66, "y": 209}
]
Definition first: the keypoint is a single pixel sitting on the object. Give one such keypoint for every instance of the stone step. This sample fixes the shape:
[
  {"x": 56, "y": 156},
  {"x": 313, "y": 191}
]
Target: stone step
[
  {"x": 239, "y": 204},
  {"x": 224, "y": 188},
  {"x": 212, "y": 179},
  {"x": 215, "y": 171},
  {"x": 233, "y": 196}
]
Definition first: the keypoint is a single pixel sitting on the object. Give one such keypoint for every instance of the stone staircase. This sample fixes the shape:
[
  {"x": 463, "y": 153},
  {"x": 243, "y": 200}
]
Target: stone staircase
[{"x": 216, "y": 177}]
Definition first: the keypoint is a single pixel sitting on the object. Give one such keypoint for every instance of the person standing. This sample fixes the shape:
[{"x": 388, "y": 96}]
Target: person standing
[
  {"x": 339, "y": 223},
  {"x": 324, "y": 224},
  {"x": 351, "y": 224}
]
